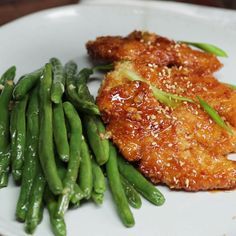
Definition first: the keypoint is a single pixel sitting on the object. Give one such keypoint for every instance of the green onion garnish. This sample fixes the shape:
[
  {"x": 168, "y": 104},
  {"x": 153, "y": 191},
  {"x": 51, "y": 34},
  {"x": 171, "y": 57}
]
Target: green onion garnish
[
  {"x": 232, "y": 86},
  {"x": 214, "y": 115},
  {"x": 208, "y": 48},
  {"x": 168, "y": 99}
]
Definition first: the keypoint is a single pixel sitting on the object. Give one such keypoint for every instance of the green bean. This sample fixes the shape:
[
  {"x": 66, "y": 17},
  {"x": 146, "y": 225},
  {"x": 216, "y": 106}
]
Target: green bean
[
  {"x": 106, "y": 67},
  {"x": 133, "y": 197},
  {"x": 81, "y": 80},
  {"x": 58, "y": 85},
  {"x": 1, "y": 88},
  {"x": 97, "y": 198},
  {"x": 61, "y": 168},
  {"x": 9, "y": 74},
  {"x": 73, "y": 165},
  {"x": 78, "y": 195},
  {"x": 5, "y": 98},
  {"x": 46, "y": 153},
  {"x": 60, "y": 133},
  {"x": 31, "y": 154},
  {"x": 41, "y": 214},
  {"x": 4, "y": 168},
  {"x": 57, "y": 223},
  {"x": 214, "y": 115},
  {"x": 70, "y": 70},
  {"x": 140, "y": 183},
  {"x": 83, "y": 93},
  {"x": 83, "y": 76},
  {"x": 208, "y": 48},
  {"x": 80, "y": 104},
  {"x": 13, "y": 122},
  {"x": 117, "y": 189},
  {"x": 99, "y": 184},
  {"x": 26, "y": 83},
  {"x": 95, "y": 131},
  {"x": 33, "y": 216},
  {"x": 79, "y": 100},
  {"x": 85, "y": 171},
  {"x": 74, "y": 205},
  {"x": 20, "y": 139}
]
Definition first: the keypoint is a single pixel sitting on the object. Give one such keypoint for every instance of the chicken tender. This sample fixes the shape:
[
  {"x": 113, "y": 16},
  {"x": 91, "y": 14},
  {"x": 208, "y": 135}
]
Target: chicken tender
[
  {"x": 144, "y": 48},
  {"x": 179, "y": 146}
]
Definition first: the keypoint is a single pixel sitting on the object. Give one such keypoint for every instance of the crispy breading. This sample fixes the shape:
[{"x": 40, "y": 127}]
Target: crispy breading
[
  {"x": 180, "y": 146},
  {"x": 145, "y": 47}
]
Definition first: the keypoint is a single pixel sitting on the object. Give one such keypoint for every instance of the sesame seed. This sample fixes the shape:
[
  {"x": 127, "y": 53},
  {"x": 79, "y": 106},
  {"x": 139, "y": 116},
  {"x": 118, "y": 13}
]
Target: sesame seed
[
  {"x": 187, "y": 183},
  {"x": 153, "y": 117},
  {"x": 181, "y": 163},
  {"x": 176, "y": 180},
  {"x": 199, "y": 125},
  {"x": 150, "y": 65},
  {"x": 176, "y": 46}
]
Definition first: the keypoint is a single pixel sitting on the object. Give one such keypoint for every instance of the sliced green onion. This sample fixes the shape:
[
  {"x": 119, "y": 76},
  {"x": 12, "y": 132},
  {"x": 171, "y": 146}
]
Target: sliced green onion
[
  {"x": 168, "y": 99},
  {"x": 162, "y": 98},
  {"x": 208, "y": 48},
  {"x": 232, "y": 86},
  {"x": 214, "y": 115}
]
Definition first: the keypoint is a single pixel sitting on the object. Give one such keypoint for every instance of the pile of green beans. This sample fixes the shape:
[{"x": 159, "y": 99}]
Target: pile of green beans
[{"x": 54, "y": 143}]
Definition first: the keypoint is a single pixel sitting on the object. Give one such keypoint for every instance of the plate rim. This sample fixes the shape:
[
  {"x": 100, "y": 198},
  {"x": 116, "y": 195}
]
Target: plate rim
[
  {"x": 42, "y": 13},
  {"x": 163, "y": 5}
]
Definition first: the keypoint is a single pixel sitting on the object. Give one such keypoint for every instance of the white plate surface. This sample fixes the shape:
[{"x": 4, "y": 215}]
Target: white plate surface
[{"x": 62, "y": 32}]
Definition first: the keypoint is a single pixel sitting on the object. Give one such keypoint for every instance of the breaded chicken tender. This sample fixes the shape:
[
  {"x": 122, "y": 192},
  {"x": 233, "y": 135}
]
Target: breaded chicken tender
[
  {"x": 180, "y": 146},
  {"x": 144, "y": 48}
]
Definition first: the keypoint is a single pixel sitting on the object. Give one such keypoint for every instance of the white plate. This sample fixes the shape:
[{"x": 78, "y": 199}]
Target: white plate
[{"x": 62, "y": 32}]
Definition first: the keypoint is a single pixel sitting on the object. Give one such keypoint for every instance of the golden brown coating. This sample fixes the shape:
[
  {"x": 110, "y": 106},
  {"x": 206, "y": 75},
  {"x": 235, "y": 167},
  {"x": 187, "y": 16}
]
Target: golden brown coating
[
  {"x": 181, "y": 147},
  {"x": 145, "y": 48}
]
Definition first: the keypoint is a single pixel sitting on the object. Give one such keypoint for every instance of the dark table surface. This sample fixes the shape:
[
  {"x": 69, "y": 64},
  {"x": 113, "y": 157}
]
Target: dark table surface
[{"x": 12, "y": 9}]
